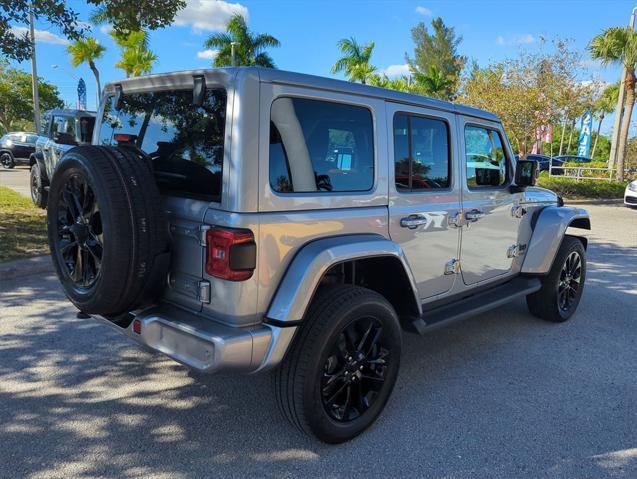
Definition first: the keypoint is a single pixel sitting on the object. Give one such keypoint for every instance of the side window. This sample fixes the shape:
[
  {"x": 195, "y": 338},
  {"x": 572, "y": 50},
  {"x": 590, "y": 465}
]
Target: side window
[
  {"x": 485, "y": 157},
  {"x": 45, "y": 124},
  {"x": 320, "y": 146},
  {"x": 421, "y": 153},
  {"x": 86, "y": 129},
  {"x": 63, "y": 124}
]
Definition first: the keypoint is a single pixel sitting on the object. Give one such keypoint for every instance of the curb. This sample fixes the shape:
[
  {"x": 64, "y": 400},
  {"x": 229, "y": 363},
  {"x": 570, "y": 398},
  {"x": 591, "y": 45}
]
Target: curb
[
  {"x": 614, "y": 201},
  {"x": 25, "y": 267}
]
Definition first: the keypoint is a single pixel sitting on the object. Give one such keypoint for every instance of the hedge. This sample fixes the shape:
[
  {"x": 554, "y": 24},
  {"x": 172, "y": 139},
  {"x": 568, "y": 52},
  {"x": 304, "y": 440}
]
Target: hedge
[{"x": 583, "y": 189}]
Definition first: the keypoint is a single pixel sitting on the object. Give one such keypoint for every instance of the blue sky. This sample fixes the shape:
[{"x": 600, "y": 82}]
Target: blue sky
[{"x": 308, "y": 31}]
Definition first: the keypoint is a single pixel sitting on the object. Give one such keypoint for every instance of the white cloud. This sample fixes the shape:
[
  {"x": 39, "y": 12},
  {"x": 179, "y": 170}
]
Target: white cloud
[
  {"x": 522, "y": 39},
  {"x": 208, "y": 54},
  {"x": 395, "y": 71},
  {"x": 423, "y": 11},
  {"x": 106, "y": 29},
  {"x": 41, "y": 36},
  {"x": 209, "y": 15}
]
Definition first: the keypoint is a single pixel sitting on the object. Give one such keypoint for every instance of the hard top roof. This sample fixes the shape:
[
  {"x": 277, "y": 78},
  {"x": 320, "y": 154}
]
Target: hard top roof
[
  {"x": 272, "y": 75},
  {"x": 71, "y": 112}
]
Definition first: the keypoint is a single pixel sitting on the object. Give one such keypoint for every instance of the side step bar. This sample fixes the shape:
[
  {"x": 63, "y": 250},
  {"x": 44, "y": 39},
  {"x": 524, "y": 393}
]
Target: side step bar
[{"x": 437, "y": 317}]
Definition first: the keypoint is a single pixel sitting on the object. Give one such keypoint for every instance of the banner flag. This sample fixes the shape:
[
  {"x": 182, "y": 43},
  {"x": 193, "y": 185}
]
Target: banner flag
[
  {"x": 585, "y": 135},
  {"x": 81, "y": 95}
]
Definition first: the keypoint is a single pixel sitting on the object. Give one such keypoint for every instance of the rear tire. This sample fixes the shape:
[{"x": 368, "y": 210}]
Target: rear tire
[
  {"x": 562, "y": 288},
  {"x": 342, "y": 367},
  {"x": 39, "y": 195},
  {"x": 107, "y": 233},
  {"x": 7, "y": 161}
]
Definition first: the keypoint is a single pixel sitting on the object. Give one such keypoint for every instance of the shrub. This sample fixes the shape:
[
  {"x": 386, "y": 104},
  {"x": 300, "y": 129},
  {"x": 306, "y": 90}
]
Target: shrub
[{"x": 582, "y": 189}]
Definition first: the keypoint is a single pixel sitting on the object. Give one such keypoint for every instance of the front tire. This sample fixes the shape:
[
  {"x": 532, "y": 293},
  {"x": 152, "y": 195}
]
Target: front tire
[
  {"x": 38, "y": 194},
  {"x": 341, "y": 370},
  {"x": 7, "y": 161},
  {"x": 562, "y": 288}
]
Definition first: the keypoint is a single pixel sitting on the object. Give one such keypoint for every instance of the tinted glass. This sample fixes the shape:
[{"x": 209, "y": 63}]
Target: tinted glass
[
  {"x": 86, "y": 129},
  {"x": 62, "y": 124},
  {"x": 318, "y": 146},
  {"x": 184, "y": 141},
  {"x": 421, "y": 153},
  {"x": 485, "y": 157}
]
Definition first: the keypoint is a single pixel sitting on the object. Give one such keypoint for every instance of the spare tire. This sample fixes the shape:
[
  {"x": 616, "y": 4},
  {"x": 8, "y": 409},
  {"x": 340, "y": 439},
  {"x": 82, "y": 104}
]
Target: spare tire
[{"x": 107, "y": 232}]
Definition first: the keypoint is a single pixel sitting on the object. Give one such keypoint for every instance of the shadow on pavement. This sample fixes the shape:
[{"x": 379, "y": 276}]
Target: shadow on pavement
[{"x": 500, "y": 395}]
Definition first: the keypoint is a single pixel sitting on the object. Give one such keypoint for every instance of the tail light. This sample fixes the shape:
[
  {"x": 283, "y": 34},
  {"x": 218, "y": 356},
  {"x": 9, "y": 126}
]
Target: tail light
[{"x": 232, "y": 254}]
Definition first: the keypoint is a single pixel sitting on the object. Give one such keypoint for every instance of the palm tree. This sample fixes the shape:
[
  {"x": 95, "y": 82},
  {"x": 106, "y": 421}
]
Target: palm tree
[
  {"x": 249, "y": 46},
  {"x": 604, "y": 105},
  {"x": 136, "y": 58},
  {"x": 87, "y": 50},
  {"x": 355, "y": 60},
  {"x": 619, "y": 45},
  {"x": 434, "y": 83}
]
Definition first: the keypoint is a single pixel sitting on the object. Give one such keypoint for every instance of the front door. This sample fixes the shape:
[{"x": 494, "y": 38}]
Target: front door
[
  {"x": 424, "y": 194},
  {"x": 490, "y": 231}
]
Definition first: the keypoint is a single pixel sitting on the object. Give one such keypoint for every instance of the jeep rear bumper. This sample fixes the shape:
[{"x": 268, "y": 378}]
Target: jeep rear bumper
[{"x": 206, "y": 345}]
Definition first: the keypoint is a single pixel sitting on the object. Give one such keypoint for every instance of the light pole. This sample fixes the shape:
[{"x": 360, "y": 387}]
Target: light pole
[
  {"x": 34, "y": 76},
  {"x": 619, "y": 110}
]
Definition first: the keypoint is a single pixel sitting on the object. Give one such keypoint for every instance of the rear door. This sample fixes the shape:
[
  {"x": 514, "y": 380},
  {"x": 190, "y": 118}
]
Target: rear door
[
  {"x": 186, "y": 145},
  {"x": 490, "y": 233},
  {"x": 424, "y": 194}
]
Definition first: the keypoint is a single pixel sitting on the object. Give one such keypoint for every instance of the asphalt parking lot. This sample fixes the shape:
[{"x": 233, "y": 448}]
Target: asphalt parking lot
[
  {"x": 501, "y": 395},
  {"x": 16, "y": 178}
]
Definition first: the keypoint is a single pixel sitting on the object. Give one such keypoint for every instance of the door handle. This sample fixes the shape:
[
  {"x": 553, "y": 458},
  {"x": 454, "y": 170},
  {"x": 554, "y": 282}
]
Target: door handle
[
  {"x": 413, "y": 221},
  {"x": 473, "y": 215}
]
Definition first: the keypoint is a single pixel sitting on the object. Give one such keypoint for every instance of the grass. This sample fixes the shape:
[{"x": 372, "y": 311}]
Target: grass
[
  {"x": 583, "y": 189},
  {"x": 22, "y": 226}
]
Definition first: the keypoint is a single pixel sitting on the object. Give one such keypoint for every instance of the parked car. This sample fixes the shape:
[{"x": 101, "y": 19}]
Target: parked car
[
  {"x": 248, "y": 219},
  {"x": 16, "y": 147},
  {"x": 545, "y": 162},
  {"x": 630, "y": 195},
  {"x": 572, "y": 159},
  {"x": 61, "y": 131}
]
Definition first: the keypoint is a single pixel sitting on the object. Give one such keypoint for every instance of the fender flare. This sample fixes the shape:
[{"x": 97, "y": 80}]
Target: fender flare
[
  {"x": 548, "y": 233},
  {"x": 39, "y": 159},
  {"x": 307, "y": 268}
]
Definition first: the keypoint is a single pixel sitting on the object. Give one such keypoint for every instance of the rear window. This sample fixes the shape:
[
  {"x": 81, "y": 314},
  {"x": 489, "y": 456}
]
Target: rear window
[
  {"x": 320, "y": 146},
  {"x": 184, "y": 141}
]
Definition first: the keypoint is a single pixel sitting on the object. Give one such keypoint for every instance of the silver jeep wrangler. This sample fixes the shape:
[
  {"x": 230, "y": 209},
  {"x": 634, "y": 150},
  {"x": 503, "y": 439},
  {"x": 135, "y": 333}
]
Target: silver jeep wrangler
[{"x": 248, "y": 219}]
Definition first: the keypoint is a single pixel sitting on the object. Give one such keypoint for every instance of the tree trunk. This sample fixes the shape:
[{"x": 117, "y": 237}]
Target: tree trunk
[
  {"x": 623, "y": 132},
  {"x": 97, "y": 78},
  {"x": 570, "y": 137},
  {"x": 599, "y": 127},
  {"x": 562, "y": 139}
]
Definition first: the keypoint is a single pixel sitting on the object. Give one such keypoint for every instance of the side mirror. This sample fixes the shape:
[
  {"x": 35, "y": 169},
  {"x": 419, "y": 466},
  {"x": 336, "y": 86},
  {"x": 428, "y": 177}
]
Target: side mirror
[
  {"x": 525, "y": 173},
  {"x": 64, "y": 138}
]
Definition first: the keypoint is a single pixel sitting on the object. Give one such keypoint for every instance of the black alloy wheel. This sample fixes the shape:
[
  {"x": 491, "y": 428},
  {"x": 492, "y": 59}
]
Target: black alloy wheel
[
  {"x": 79, "y": 232},
  {"x": 354, "y": 373},
  {"x": 569, "y": 284},
  {"x": 7, "y": 161}
]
